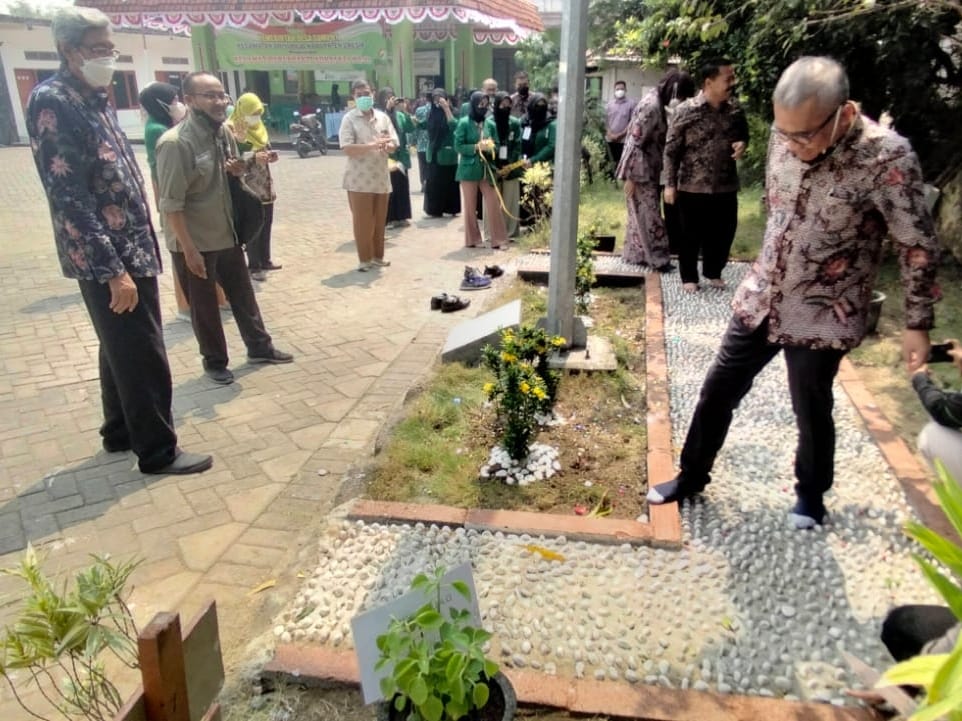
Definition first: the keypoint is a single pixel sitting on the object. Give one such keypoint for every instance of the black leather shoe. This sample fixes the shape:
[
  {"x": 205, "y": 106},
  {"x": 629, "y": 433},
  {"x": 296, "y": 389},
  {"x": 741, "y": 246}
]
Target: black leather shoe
[
  {"x": 493, "y": 271},
  {"x": 666, "y": 268},
  {"x": 272, "y": 356},
  {"x": 271, "y": 266},
  {"x": 184, "y": 464},
  {"x": 452, "y": 303},
  {"x": 223, "y": 376},
  {"x": 438, "y": 300}
]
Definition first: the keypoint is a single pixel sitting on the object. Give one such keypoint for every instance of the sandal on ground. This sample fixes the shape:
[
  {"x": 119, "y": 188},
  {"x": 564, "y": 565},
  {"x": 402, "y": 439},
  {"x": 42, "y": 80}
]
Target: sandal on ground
[
  {"x": 493, "y": 271},
  {"x": 717, "y": 283},
  {"x": 452, "y": 303}
]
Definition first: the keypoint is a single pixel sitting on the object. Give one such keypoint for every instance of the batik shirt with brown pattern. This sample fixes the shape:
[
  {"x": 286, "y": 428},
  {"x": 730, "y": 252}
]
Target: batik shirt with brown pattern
[
  {"x": 698, "y": 149},
  {"x": 827, "y": 221}
]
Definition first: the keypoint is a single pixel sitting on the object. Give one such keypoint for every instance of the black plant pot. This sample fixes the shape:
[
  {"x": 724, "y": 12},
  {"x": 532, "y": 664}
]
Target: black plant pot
[
  {"x": 605, "y": 243},
  {"x": 502, "y": 704}
]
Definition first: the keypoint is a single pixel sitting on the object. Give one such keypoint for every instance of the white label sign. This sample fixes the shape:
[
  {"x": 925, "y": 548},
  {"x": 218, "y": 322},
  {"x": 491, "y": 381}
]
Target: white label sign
[{"x": 427, "y": 62}]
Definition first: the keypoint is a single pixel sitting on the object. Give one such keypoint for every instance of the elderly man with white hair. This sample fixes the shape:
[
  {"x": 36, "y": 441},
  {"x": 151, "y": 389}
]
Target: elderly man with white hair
[
  {"x": 106, "y": 241},
  {"x": 837, "y": 184}
]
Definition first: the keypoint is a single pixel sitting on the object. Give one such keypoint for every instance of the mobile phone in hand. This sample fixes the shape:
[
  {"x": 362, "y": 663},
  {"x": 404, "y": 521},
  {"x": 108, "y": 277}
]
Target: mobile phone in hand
[{"x": 939, "y": 353}]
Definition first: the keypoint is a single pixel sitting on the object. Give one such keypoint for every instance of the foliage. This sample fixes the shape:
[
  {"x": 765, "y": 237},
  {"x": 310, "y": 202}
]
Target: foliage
[
  {"x": 538, "y": 56},
  {"x": 537, "y": 190},
  {"x": 604, "y": 21},
  {"x": 585, "y": 270},
  {"x": 438, "y": 667},
  {"x": 877, "y": 42},
  {"x": 62, "y": 634},
  {"x": 939, "y": 674},
  {"x": 524, "y": 386}
]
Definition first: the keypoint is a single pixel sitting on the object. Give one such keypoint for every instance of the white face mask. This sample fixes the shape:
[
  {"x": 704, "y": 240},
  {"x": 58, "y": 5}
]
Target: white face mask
[
  {"x": 619, "y": 93},
  {"x": 98, "y": 72},
  {"x": 178, "y": 111},
  {"x": 252, "y": 120}
]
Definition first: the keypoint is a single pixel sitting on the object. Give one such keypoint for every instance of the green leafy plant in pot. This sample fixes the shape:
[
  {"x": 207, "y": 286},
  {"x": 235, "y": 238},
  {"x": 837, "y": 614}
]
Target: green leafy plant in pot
[{"x": 438, "y": 669}]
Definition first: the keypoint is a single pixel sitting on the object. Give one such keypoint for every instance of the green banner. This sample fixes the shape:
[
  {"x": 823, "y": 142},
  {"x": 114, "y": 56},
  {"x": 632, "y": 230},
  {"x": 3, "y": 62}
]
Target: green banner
[{"x": 337, "y": 47}]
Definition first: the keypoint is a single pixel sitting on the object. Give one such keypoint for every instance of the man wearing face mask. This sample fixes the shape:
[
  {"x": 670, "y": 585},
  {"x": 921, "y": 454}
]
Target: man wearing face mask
[
  {"x": 837, "y": 187},
  {"x": 106, "y": 241},
  {"x": 519, "y": 99},
  {"x": 617, "y": 117},
  {"x": 193, "y": 160}
]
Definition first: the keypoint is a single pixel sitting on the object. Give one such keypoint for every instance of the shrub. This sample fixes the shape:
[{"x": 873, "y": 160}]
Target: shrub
[
  {"x": 59, "y": 636},
  {"x": 585, "y": 270},
  {"x": 524, "y": 385},
  {"x": 537, "y": 194}
]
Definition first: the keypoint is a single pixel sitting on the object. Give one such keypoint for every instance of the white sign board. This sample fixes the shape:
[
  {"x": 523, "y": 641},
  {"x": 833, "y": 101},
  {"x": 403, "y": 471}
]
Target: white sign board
[
  {"x": 366, "y": 627},
  {"x": 427, "y": 62}
]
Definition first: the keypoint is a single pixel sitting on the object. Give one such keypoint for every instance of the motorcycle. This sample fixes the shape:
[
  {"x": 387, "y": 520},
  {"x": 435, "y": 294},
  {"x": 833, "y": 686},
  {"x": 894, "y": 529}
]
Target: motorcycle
[{"x": 307, "y": 134}]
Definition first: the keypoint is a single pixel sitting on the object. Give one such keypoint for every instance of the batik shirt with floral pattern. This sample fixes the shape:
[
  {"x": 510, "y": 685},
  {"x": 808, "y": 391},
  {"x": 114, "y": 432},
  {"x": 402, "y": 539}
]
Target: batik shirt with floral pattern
[
  {"x": 698, "y": 148},
  {"x": 95, "y": 190},
  {"x": 644, "y": 143},
  {"x": 827, "y": 221}
]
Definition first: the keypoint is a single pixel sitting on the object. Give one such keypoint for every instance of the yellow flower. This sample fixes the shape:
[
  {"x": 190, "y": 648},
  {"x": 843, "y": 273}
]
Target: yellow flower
[
  {"x": 540, "y": 394},
  {"x": 525, "y": 387},
  {"x": 540, "y": 348},
  {"x": 509, "y": 357},
  {"x": 557, "y": 341},
  {"x": 489, "y": 388}
]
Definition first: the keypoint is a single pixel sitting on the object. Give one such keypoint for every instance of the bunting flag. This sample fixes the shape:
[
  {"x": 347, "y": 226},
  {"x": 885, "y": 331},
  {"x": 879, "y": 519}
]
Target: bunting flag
[{"x": 497, "y": 30}]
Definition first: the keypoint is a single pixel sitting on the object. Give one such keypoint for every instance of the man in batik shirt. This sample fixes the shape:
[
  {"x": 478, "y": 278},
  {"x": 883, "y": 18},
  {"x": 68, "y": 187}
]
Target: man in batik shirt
[
  {"x": 837, "y": 184},
  {"x": 707, "y": 134},
  {"x": 105, "y": 240}
]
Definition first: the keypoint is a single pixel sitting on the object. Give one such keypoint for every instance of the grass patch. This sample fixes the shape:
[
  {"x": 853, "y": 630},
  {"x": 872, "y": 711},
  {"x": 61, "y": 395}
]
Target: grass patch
[{"x": 436, "y": 451}]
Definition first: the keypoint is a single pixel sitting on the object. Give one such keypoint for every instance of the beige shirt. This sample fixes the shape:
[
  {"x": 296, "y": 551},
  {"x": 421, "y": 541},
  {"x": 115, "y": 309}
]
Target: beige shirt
[
  {"x": 191, "y": 178},
  {"x": 367, "y": 173}
]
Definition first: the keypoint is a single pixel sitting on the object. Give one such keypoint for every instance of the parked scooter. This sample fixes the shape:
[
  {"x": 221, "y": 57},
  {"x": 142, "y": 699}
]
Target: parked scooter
[{"x": 307, "y": 134}]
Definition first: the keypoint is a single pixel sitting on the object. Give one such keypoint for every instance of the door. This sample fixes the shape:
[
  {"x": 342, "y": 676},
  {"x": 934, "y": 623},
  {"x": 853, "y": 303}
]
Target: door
[{"x": 27, "y": 80}]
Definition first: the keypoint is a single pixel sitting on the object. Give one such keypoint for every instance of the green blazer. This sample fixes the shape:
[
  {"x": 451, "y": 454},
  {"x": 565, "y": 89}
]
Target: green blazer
[
  {"x": 446, "y": 154},
  {"x": 513, "y": 145},
  {"x": 470, "y": 165},
  {"x": 404, "y": 126},
  {"x": 544, "y": 141}
]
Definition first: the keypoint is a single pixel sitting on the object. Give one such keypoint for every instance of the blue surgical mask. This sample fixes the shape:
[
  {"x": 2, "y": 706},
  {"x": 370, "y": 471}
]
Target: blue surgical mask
[{"x": 364, "y": 103}]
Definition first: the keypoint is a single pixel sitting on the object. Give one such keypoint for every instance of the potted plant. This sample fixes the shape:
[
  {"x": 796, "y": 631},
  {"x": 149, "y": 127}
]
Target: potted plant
[{"x": 437, "y": 667}]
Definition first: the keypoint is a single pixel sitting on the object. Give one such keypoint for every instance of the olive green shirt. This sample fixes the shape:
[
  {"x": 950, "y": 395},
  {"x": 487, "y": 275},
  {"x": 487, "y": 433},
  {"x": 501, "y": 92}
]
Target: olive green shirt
[{"x": 192, "y": 179}]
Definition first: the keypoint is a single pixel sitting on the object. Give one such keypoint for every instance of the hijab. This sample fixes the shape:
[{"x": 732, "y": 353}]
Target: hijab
[
  {"x": 438, "y": 130},
  {"x": 536, "y": 119},
  {"x": 502, "y": 116},
  {"x": 477, "y": 111},
  {"x": 156, "y": 100},
  {"x": 255, "y": 134},
  {"x": 383, "y": 95}
]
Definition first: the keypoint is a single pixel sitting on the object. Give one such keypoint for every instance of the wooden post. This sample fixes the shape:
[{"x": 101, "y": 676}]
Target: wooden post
[{"x": 162, "y": 669}]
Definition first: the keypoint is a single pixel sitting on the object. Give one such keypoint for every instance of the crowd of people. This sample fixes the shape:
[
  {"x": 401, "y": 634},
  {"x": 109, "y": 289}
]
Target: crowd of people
[{"x": 471, "y": 158}]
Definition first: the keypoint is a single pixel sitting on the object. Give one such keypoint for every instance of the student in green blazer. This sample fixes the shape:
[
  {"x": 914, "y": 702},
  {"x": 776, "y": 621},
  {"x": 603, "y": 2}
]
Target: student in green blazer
[
  {"x": 476, "y": 142},
  {"x": 538, "y": 132},
  {"x": 399, "y": 202},
  {"x": 507, "y": 132},
  {"x": 441, "y": 192}
]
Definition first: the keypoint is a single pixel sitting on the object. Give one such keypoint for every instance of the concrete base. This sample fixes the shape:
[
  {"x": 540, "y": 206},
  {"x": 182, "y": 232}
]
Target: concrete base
[
  {"x": 579, "y": 331},
  {"x": 597, "y": 356},
  {"x": 466, "y": 340}
]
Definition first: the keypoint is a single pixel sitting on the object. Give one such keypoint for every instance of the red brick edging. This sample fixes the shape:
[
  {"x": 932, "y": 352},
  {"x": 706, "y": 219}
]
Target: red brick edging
[{"x": 324, "y": 667}]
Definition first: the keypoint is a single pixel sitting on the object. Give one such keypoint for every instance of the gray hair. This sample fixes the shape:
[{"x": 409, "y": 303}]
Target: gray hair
[
  {"x": 810, "y": 77},
  {"x": 70, "y": 24}
]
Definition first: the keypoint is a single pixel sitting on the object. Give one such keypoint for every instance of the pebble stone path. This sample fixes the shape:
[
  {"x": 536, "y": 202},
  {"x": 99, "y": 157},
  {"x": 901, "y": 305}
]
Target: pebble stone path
[{"x": 747, "y": 606}]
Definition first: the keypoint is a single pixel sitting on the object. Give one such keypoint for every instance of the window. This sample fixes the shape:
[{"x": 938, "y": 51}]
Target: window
[{"x": 123, "y": 90}]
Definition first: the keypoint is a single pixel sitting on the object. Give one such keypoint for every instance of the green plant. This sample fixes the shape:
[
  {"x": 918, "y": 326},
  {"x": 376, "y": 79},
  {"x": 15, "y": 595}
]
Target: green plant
[
  {"x": 59, "y": 637},
  {"x": 438, "y": 667},
  {"x": 537, "y": 190},
  {"x": 524, "y": 385},
  {"x": 584, "y": 271},
  {"x": 939, "y": 674}
]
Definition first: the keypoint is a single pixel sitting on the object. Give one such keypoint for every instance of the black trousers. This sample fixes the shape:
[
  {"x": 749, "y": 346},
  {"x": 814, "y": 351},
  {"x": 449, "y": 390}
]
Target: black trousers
[
  {"x": 423, "y": 168},
  {"x": 708, "y": 224},
  {"x": 672, "y": 225},
  {"x": 228, "y": 268},
  {"x": 615, "y": 150},
  {"x": 399, "y": 204},
  {"x": 135, "y": 386},
  {"x": 259, "y": 247},
  {"x": 907, "y": 629},
  {"x": 742, "y": 356}
]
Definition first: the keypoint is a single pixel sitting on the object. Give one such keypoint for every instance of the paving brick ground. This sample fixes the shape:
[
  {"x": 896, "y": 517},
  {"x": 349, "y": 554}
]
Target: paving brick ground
[{"x": 361, "y": 341}]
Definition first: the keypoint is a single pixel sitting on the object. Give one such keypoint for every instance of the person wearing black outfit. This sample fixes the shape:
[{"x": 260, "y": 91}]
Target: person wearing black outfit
[{"x": 442, "y": 194}]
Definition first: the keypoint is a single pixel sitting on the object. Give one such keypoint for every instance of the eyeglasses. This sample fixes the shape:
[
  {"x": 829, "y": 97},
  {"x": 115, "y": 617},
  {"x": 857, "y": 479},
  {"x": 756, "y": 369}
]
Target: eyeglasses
[
  {"x": 102, "y": 51},
  {"x": 213, "y": 96},
  {"x": 807, "y": 136}
]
